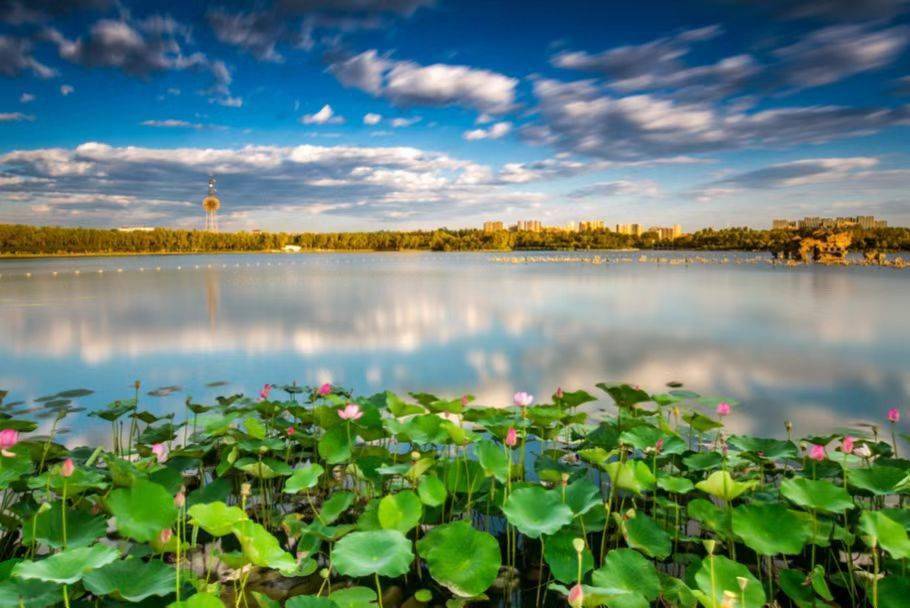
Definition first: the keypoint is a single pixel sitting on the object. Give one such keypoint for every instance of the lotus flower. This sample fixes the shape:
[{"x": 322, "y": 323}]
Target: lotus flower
[
  {"x": 894, "y": 415},
  {"x": 576, "y": 597},
  {"x": 165, "y": 536},
  {"x": 560, "y": 393},
  {"x": 817, "y": 452},
  {"x": 723, "y": 409},
  {"x": 67, "y": 468},
  {"x": 863, "y": 451},
  {"x": 160, "y": 452},
  {"x": 659, "y": 445},
  {"x": 180, "y": 499},
  {"x": 465, "y": 401},
  {"x": 324, "y": 389},
  {"x": 8, "y": 439},
  {"x": 290, "y": 432},
  {"x": 264, "y": 393},
  {"x": 847, "y": 445},
  {"x": 351, "y": 411},
  {"x": 523, "y": 399},
  {"x": 511, "y": 437}
]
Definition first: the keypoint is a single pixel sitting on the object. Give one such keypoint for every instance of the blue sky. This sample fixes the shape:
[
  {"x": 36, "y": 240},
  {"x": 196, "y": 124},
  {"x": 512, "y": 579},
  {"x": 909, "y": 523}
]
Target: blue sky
[{"x": 366, "y": 114}]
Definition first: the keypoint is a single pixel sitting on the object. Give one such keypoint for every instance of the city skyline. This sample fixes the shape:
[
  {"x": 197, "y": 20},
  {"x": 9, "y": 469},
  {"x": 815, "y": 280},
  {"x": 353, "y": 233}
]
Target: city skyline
[{"x": 332, "y": 115}]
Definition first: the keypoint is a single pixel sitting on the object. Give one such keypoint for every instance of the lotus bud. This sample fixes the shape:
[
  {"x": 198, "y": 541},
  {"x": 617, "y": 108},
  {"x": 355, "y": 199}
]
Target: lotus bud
[
  {"x": 415, "y": 455},
  {"x": 789, "y": 426},
  {"x": 743, "y": 582},
  {"x": 180, "y": 499},
  {"x": 710, "y": 545},
  {"x": 579, "y": 544},
  {"x": 465, "y": 400},
  {"x": 729, "y": 600},
  {"x": 576, "y": 597},
  {"x": 894, "y": 415},
  {"x": 559, "y": 393},
  {"x": 137, "y": 384},
  {"x": 67, "y": 468},
  {"x": 44, "y": 508},
  {"x": 165, "y": 536},
  {"x": 565, "y": 479},
  {"x": 324, "y": 573},
  {"x": 290, "y": 432},
  {"x": 245, "y": 490}
]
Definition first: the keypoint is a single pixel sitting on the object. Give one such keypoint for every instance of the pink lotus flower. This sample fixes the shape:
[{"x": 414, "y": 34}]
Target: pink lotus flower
[
  {"x": 67, "y": 468},
  {"x": 8, "y": 439},
  {"x": 324, "y": 389},
  {"x": 465, "y": 401},
  {"x": 523, "y": 399},
  {"x": 659, "y": 445},
  {"x": 559, "y": 393},
  {"x": 264, "y": 393},
  {"x": 817, "y": 452},
  {"x": 160, "y": 452},
  {"x": 165, "y": 536},
  {"x": 723, "y": 409},
  {"x": 847, "y": 445},
  {"x": 511, "y": 437},
  {"x": 576, "y": 597},
  {"x": 894, "y": 415},
  {"x": 180, "y": 499},
  {"x": 290, "y": 431},
  {"x": 351, "y": 411}
]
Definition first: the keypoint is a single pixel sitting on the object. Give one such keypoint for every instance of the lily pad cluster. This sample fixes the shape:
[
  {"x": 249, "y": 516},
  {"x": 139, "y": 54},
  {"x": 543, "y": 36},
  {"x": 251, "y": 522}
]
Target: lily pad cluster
[{"x": 311, "y": 497}]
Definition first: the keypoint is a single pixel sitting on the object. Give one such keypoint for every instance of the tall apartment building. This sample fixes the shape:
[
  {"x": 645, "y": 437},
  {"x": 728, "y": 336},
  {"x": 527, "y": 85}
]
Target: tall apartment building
[
  {"x": 630, "y": 229},
  {"x": 590, "y": 225},
  {"x": 667, "y": 233},
  {"x": 528, "y": 226},
  {"x": 493, "y": 226},
  {"x": 783, "y": 225}
]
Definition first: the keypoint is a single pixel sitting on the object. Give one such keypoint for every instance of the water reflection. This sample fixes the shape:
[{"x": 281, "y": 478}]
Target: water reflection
[{"x": 824, "y": 346}]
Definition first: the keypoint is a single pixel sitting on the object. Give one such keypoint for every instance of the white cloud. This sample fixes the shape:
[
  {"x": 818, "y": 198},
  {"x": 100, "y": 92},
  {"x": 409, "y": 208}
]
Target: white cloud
[
  {"x": 620, "y": 188},
  {"x": 496, "y": 131},
  {"x": 406, "y": 83},
  {"x": 15, "y": 117},
  {"x": 26, "y": 98},
  {"x": 172, "y": 123},
  {"x": 405, "y": 122},
  {"x": 16, "y": 57},
  {"x": 66, "y": 89},
  {"x": 371, "y": 119},
  {"x": 323, "y": 117}
]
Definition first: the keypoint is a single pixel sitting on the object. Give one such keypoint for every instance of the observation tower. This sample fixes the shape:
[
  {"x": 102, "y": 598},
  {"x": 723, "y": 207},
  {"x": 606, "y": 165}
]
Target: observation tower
[{"x": 211, "y": 204}]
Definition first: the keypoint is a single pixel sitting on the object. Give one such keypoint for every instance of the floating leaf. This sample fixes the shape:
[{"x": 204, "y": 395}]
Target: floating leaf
[
  {"x": 718, "y": 574},
  {"x": 200, "y": 600},
  {"x": 432, "y": 491},
  {"x": 562, "y": 557},
  {"x": 383, "y": 552},
  {"x": 68, "y": 566},
  {"x": 642, "y": 533},
  {"x": 771, "y": 529},
  {"x": 889, "y": 534},
  {"x": 303, "y": 478},
  {"x": 629, "y": 574},
  {"x": 493, "y": 459},
  {"x": 261, "y": 548},
  {"x": 216, "y": 518},
  {"x": 818, "y": 495},
  {"x": 633, "y": 475},
  {"x": 464, "y": 560},
  {"x": 83, "y": 528},
  {"x": 131, "y": 579},
  {"x": 401, "y": 511}
]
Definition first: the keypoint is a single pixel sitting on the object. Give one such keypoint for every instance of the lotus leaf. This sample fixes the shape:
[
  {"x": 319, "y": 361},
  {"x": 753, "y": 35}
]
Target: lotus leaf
[
  {"x": 216, "y": 518},
  {"x": 493, "y": 459},
  {"x": 718, "y": 574},
  {"x": 143, "y": 510},
  {"x": 642, "y": 533},
  {"x": 536, "y": 511},
  {"x": 563, "y": 559},
  {"x": 83, "y": 528},
  {"x": 68, "y": 566},
  {"x": 632, "y": 475},
  {"x": 464, "y": 560},
  {"x": 628, "y": 573},
  {"x": 432, "y": 491},
  {"x": 721, "y": 484},
  {"x": 261, "y": 548},
  {"x": 131, "y": 579},
  {"x": 771, "y": 529},
  {"x": 383, "y": 552},
  {"x": 889, "y": 534},
  {"x": 401, "y": 511},
  {"x": 818, "y": 495},
  {"x": 304, "y": 478}
]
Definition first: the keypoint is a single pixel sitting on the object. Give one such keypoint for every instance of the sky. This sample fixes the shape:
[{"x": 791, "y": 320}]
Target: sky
[{"x": 324, "y": 115}]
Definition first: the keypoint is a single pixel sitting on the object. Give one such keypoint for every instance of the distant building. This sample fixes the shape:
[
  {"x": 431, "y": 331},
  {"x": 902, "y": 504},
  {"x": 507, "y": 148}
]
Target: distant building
[
  {"x": 571, "y": 227},
  {"x": 629, "y": 229},
  {"x": 493, "y": 226},
  {"x": 528, "y": 226},
  {"x": 666, "y": 233},
  {"x": 783, "y": 225},
  {"x": 866, "y": 222},
  {"x": 135, "y": 229},
  {"x": 591, "y": 225}
]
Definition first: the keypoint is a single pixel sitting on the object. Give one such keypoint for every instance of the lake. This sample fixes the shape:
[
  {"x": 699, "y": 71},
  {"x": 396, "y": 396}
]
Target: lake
[{"x": 824, "y": 346}]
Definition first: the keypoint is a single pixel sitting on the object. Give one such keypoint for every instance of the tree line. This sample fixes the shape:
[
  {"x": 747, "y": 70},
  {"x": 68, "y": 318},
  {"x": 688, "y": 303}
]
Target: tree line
[{"x": 54, "y": 240}]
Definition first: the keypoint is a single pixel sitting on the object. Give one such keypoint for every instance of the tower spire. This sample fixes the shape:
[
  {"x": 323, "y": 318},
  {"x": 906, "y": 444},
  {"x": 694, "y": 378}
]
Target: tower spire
[{"x": 211, "y": 204}]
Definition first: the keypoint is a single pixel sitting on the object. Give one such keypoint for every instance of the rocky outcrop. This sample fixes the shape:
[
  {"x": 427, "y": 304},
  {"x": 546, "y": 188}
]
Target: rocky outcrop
[{"x": 822, "y": 247}]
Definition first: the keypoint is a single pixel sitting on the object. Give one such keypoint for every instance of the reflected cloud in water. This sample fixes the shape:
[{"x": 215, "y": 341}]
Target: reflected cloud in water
[{"x": 824, "y": 346}]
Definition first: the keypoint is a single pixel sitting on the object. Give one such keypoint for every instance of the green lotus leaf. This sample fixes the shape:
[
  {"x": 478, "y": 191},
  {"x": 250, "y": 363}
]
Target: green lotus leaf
[
  {"x": 354, "y": 597},
  {"x": 718, "y": 574},
  {"x": 676, "y": 592},
  {"x": 216, "y": 518},
  {"x": 304, "y": 478},
  {"x": 794, "y": 584},
  {"x": 889, "y": 534},
  {"x": 15, "y": 593},
  {"x": 721, "y": 484},
  {"x": 14, "y": 468},
  {"x": 710, "y": 516},
  {"x": 642, "y": 533},
  {"x": 143, "y": 510},
  {"x": 82, "y": 527},
  {"x": 675, "y": 485},
  {"x": 432, "y": 491},
  {"x": 383, "y": 552},
  {"x": 261, "y": 548},
  {"x": 462, "y": 559},
  {"x": 632, "y": 475},
  {"x": 68, "y": 566},
  {"x": 628, "y": 571},
  {"x": 401, "y": 511},
  {"x": 267, "y": 468},
  {"x": 310, "y": 601},
  {"x": 334, "y": 506},
  {"x": 563, "y": 559},
  {"x": 335, "y": 446},
  {"x": 771, "y": 529},
  {"x": 770, "y": 449},
  {"x": 131, "y": 579},
  {"x": 701, "y": 423},
  {"x": 582, "y": 495},
  {"x": 703, "y": 461},
  {"x": 893, "y": 592},
  {"x": 625, "y": 395},
  {"x": 493, "y": 459},
  {"x": 818, "y": 495},
  {"x": 536, "y": 511},
  {"x": 200, "y": 600},
  {"x": 879, "y": 479}
]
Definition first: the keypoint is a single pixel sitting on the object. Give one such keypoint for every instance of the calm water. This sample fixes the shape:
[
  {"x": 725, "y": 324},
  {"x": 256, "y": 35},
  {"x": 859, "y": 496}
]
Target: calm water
[{"x": 826, "y": 346}]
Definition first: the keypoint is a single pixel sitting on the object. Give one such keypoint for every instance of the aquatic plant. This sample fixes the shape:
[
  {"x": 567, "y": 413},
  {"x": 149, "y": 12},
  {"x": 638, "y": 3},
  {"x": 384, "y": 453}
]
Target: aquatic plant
[{"x": 310, "y": 497}]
